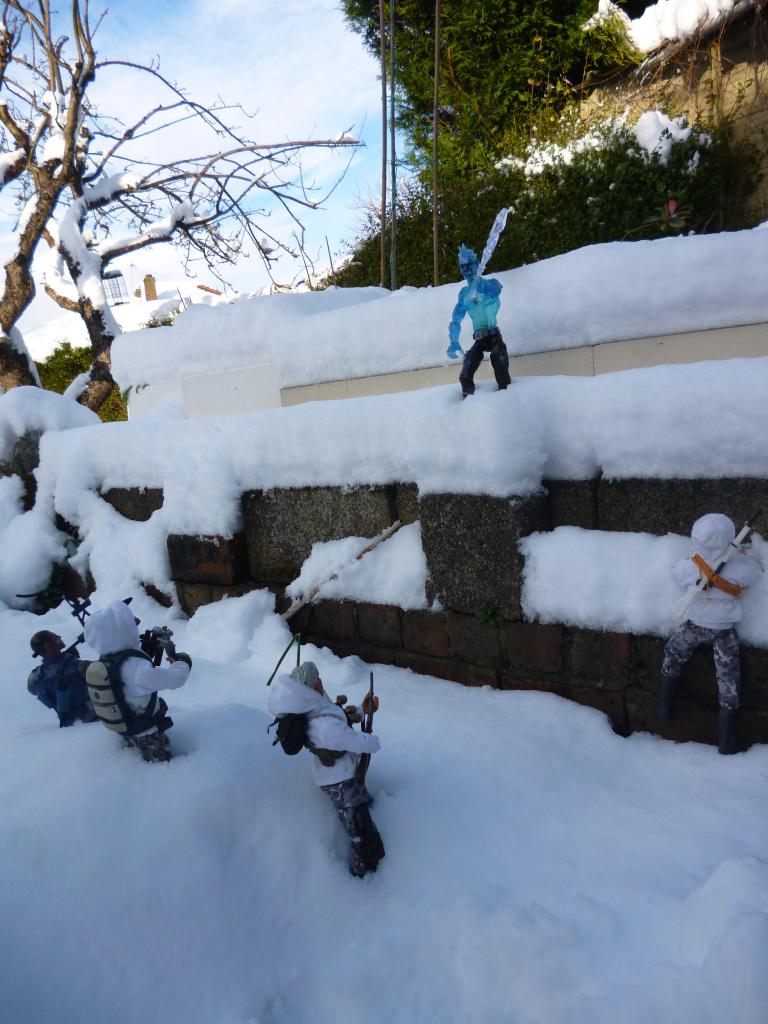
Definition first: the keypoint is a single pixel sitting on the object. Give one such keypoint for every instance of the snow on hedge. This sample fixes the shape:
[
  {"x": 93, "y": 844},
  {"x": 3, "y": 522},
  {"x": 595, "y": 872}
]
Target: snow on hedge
[
  {"x": 654, "y": 131},
  {"x": 620, "y": 582},
  {"x": 29, "y": 408},
  {"x": 609, "y": 292}
]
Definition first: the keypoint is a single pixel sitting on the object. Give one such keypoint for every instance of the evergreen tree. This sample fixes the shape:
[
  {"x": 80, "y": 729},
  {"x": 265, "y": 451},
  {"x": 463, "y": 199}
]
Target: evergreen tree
[{"x": 501, "y": 60}]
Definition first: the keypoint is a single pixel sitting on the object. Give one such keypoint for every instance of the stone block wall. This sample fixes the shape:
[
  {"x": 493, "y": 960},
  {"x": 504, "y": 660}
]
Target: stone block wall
[
  {"x": 616, "y": 673},
  {"x": 475, "y": 567}
]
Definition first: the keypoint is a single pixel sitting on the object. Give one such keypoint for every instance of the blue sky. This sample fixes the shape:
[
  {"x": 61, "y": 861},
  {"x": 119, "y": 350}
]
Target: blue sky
[{"x": 293, "y": 64}]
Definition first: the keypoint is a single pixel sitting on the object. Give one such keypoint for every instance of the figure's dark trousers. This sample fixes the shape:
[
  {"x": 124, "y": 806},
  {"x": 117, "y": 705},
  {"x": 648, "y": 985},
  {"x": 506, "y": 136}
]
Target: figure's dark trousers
[
  {"x": 352, "y": 801},
  {"x": 485, "y": 341},
  {"x": 725, "y": 646},
  {"x": 153, "y": 746}
]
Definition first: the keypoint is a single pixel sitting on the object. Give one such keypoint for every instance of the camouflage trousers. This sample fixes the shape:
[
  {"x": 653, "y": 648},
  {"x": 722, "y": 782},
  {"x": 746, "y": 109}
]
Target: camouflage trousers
[
  {"x": 153, "y": 746},
  {"x": 687, "y": 638},
  {"x": 352, "y": 802}
]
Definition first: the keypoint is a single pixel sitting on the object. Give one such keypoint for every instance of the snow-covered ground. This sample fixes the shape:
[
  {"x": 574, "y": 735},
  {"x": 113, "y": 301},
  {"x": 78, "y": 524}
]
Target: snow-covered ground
[
  {"x": 539, "y": 868},
  {"x": 610, "y": 292}
]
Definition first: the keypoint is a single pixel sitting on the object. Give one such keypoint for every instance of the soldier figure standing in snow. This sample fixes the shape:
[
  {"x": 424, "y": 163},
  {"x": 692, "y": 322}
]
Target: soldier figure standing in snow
[
  {"x": 335, "y": 746},
  {"x": 124, "y": 683},
  {"x": 712, "y": 615},
  {"x": 59, "y": 683},
  {"x": 479, "y": 298}
]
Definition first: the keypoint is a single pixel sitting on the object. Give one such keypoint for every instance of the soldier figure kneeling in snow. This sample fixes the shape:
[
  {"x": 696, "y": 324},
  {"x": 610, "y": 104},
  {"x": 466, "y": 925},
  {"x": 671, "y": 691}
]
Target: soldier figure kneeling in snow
[
  {"x": 480, "y": 298},
  {"x": 123, "y": 684},
  {"x": 712, "y": 616},
  {"x": 59, "y": 683},
  {"x": 335, "y": 745}
]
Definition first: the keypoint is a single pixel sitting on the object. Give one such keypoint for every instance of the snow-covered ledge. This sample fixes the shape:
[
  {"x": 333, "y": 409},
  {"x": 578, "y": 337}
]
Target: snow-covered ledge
[
  {"x": 747, "y": 341},
  {"x": 226, "y": 393}
]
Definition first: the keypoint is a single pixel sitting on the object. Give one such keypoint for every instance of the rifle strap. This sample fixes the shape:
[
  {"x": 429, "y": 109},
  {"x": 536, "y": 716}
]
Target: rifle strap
[{"x": 712, "y": 578}]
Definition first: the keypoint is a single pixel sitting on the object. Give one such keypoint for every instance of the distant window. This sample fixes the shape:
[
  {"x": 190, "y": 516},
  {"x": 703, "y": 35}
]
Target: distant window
[{"x": 114, "y": 286}]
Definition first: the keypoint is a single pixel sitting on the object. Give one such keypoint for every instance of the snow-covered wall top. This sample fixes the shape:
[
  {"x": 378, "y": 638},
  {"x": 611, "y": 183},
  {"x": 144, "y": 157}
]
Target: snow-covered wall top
[
  {"x": 28, "y": 408},
  {"x": 670, "y": 21},
  {"x": 602, "y": 293},
  {"x": 700, "y": 420}
]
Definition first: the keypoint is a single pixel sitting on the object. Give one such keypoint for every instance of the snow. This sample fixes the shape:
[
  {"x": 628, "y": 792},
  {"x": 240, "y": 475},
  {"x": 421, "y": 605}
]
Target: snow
[
  {"x": 667, "y": 21},
  {"x": 538, "y": 868},
  {"x": 654, "y": 422},
  {"x": 30, "y": 545},
  {"x": 30, "y": 408},
  {"x": 394, "y": 573},
  {"x": 658, "y": 133},
  {"x": 620, "y": 582},
  {"x": 655, "y": 132},
  {"x": 131, "y": 316},
  {"x": 7, "y": 161},
  {"x": 11, "y": 495},
  {"x": 609, "y": 292}
]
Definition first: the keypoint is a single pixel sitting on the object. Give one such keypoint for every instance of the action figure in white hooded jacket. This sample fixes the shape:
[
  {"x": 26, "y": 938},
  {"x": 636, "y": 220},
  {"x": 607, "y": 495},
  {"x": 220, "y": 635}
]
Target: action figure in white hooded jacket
[
  {"x": 132, "y": 706},
  {"x": 336, "y": 747},
  {"x": 712, "y": 616}
]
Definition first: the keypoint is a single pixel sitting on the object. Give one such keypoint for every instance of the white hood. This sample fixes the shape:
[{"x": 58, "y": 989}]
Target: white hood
[
  {"x": 292, "y": 698},
  {"x": 711, "y": 535},
  {"x": 113, "y": 629}
]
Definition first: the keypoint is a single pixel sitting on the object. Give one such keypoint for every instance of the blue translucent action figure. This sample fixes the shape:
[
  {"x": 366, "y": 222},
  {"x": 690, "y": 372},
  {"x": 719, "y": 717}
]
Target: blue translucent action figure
[{"x": 479, "y": 298}]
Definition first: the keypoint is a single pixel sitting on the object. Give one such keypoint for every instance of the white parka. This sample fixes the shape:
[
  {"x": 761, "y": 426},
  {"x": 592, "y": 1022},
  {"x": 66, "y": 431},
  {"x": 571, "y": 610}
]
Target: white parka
[
  {"x": 114, "y": 629},
  {"x": 710, "y": 537},
  {"x": 327, "y": 727}
]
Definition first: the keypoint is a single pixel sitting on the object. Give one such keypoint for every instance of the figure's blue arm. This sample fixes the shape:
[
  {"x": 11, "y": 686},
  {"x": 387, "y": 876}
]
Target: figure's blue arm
[{"x": 454, "y": 328}]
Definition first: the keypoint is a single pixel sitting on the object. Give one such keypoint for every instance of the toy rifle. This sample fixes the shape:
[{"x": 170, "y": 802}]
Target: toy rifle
[
  {"x": 299, "y": 604},
  {"x": 77, "y": 605},
  {"x": 366, "y": 726},
  {"x": 681, "y": 606}
]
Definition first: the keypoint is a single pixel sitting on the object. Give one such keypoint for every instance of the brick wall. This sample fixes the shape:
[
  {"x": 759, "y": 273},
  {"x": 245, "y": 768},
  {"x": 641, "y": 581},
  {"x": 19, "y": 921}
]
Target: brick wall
[
  {"x": 613, "y": 672},
  {"x": 475, "y": 567}
]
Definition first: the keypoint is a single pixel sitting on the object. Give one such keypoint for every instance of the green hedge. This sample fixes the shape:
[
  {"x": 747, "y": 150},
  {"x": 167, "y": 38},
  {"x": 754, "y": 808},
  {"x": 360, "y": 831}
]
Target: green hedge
[
  {"x": 612, "y": 192},
  {"x": 64, "y": 364}
]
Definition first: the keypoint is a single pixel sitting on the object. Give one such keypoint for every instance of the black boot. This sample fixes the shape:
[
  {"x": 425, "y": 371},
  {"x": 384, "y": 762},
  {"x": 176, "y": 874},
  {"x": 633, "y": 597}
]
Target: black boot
[
  {"x": 729, "y": 743},
  {"x": 667, "y": 697}
]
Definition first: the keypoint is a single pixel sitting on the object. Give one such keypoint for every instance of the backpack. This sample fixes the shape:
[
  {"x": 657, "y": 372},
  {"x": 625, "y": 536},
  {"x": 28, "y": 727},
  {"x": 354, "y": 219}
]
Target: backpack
[
  {"x": 105, "y": 689},
  {"x": 292, "y": 736},
  {"x": 291, "y": 733}
]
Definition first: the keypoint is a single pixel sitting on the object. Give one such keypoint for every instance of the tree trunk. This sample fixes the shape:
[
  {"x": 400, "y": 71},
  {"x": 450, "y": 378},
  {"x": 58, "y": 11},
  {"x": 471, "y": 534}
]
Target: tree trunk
[
  {"x": 98, "y": 389},
  {"x": 102, "y": 330},
  {"x": 20, "y": 288},
  {"x": 14, "y": 368}
]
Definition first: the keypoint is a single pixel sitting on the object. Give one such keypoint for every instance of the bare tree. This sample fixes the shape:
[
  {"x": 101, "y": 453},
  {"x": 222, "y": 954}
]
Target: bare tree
[
  {"x": 41, "y": 101},
  {"x": 120, "y": 197}
]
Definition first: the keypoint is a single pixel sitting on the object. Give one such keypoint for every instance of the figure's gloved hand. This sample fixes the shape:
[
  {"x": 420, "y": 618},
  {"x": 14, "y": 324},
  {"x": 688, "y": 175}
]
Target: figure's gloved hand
[
  {"x": 367, "y": 704},
  {"x": 353, "y": 714},
  {"x": 180, "y": 656}
]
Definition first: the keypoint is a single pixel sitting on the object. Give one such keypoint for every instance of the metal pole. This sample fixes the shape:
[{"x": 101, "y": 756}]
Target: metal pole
[
  {"x": 383, "y": 215},
  {"x": 393, "y": 171},
  {"x": 435, "y": 168}
]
